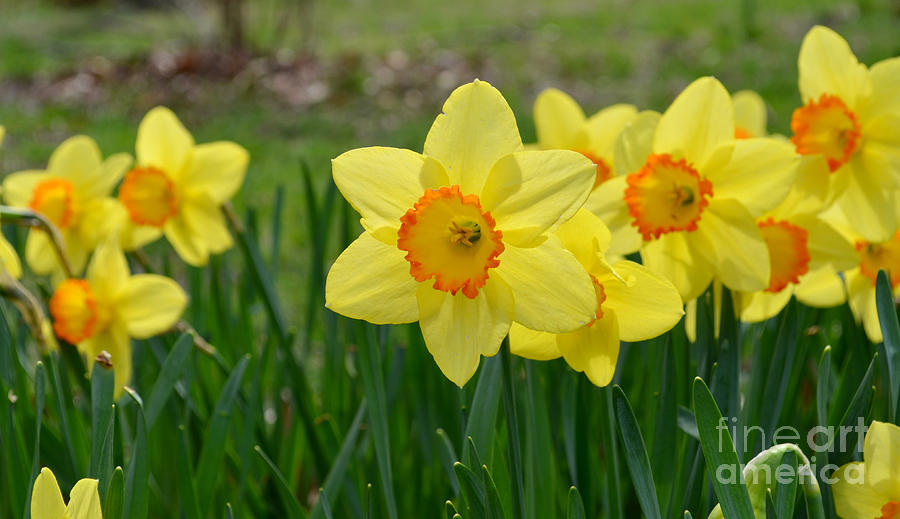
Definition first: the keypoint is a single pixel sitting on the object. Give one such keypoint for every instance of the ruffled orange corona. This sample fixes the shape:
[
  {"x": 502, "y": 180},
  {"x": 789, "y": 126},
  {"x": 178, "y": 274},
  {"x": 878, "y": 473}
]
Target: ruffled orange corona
[
  {"x": 54, "y": 199},
  {"x": 450, "y": 239},
  {"x": 880, "y": 256},
  {"x": 149, "y": 196},
  {"x": 826, "y": 127},
  {"x": 666, "y": 195},
  {"x": 604, "y": 171},
  {"x": 890, "y": 511},
  {"x": 788, "y": 252},
  {"x": 75, "y": 312},
  {"x": 741, "y": 133}
]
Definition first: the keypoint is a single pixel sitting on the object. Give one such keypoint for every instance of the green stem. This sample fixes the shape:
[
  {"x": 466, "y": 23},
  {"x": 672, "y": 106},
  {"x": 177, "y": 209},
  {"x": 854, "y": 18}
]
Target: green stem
[{"x": 512, "y": 429}]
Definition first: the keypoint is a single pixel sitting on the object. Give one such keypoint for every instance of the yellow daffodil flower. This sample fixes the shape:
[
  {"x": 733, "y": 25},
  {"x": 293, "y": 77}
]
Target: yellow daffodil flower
[
  {"x": 749, "y": 115},
  {"x": 73, "y": 193},
  {"x": 562, "y": 125},
  {"x": 849, "y": 119},
  {"x": 696, "y": 190},
  {"x": 633, "y": 305},
  {"x": 177, "y": 188},
  {"x": 102, "y": 311},
  {"x": 460, "y": 238},
  {"x": 871, "y": 489},
  {"x": 47, "y": 500},
  {"x": 9, "y": 260}
]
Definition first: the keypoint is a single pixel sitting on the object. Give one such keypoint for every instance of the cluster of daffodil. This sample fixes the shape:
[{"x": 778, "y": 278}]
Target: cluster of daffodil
[
  {"x": 479, "y": 237},
  {"x": 176, "y": 188}
]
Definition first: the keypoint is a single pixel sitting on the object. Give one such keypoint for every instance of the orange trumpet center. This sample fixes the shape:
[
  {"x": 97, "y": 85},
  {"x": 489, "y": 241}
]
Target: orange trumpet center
[
  {"x": 666, "y": 195},
  {"x": 826, "y": 127},
  {"x": 604, "y": 171},
  {"x": 54, "y": 198},
  {"x": 741, "y": 133},
  {"x": 448, "y": 238},
  {"x": 890, "y": 511},
  {"x": 76, "y": 314},
  {"x": 880, "y": 256},
  {"x": 788, "y": 253},
  {"x": 149, "y": 196}
]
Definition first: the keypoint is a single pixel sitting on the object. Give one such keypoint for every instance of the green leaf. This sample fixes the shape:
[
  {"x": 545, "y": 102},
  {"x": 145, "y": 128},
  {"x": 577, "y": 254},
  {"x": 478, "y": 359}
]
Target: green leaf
[
  {"x": 287, "y": 497},
  {"x": 786, "y": 492},
  {"x": 323, "y": 498},
  {"x": 575, "y": 508},
  {"x": 718, "y": 449},
  {"x": 114, "y": 507},
  {"x": 512, "y": 432},
  {"x": 184, "y": 476},
  {"x": 169, "y": 374},
  {"x": 448, "y": 457},
  {"x": 335, "y": 477},
  {"x": 494, "y": 506},
  {"x": 861, "y": 398},
  {"x": 472, "y": 489},
  {"x": 482, "y": 421},
  {"x": 40, "y": 381},
  {"x": 890, "y": 330},
  {"x": 636, "y": 455},
  {"x": 102, "y": 424},
  {"x": 209, "y": 469},
  {"x": 137, "y": 495},
  {"x": 450, "y": 510},
  {"x": 373, "y": 382}
]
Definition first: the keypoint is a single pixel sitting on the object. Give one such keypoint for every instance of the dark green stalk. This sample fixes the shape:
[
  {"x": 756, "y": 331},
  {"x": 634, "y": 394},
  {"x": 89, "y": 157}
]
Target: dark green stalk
[{"x": 512, "y": 429}]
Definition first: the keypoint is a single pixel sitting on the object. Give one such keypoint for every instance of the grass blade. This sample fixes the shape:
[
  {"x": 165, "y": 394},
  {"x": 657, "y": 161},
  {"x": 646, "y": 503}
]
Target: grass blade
[
  {"x": 336, "y": 475},
  {"x": 137, "y": 498},
  {"x": 786, "y": 492},
  {"x": 169, "y": 374},
  {"x": 575, "y": 508},
  {"x": 114, "y": 506},
  {"x": 890, "y": 329},
  {"x": 732, "y": 494},
  {"x": 187, "y": 490},
  {"x": 287, "y": 497},
  {"x": 481, "y": 424},
  {"x": 636, "y": 455},
  {"x": 512, "y": 430},
  {"x": 40, "y": 381},
  {"x": 102, "y": 384},
  {"x": 472, "y": 489}
]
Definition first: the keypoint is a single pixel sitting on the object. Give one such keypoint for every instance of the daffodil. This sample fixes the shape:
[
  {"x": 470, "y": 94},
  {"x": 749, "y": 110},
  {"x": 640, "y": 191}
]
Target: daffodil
[
  {"x": 460, "y": 238},
  {"x": 47, "y": 500},
  {"x": 871, "y": 489},
  {"x": 8, "y": 257},
  {"x": 694, "y": 192},
  {"x": 104, "y": 310},
  {"x": 849, "y": 119},
  {"x": 750, "y": 117},
  {"x": 73, "y": 193},
  {"x": 178, "y": 188},
  {"x": 633, "y": 304},
  {"x": 805, "y": 256}
]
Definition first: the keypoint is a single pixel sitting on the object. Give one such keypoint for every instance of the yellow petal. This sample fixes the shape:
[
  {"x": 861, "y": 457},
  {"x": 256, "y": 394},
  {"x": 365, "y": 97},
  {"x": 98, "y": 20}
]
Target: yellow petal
[
  {"x": 645, "y": 303},
  {"x": 84, "y": 500},
  {"x": 530, "y": 192},
  {"x": 585, "y": 236},
  {"x": 635, "y": 142},
  {"x": 114, "y": 340},
  {"x": 189, "y": 247},
  {"x": 759, "y": 306},
  {"x": 885, "y": 78},
  {"x": 383, "y": 183},
  {"x": 821, "y": 288},
  {"x": 476, "y": 128},
  {"x": 882, "y": 457},
  {"x": 46, "y": 499},
  {"x": 700, "y": 119},
  {"x": 216, "y": 170},
  {"x": 102, "y": 218},
  {"x": 2, "y": 134},
  {"x": 40, "y": 253},
  {"x": 605, "y": 126},
  {"x": 826, "y": 246},
  {"x": 552, "y": 291},
  {"x": 532, "y": 344},
  {"x": 593, "y": 349},
  {"x": 828, "y": 66},
  {"x": 608, "y": 203},
  {"x": 870, "y": 209},
  {"x": 9, "y": 259},
  {"x": 163, "y": 142},
  {"x": 108, "y": 271},
  {"x": 739, "y": 253},
  {"x": 205, "y": 218},
  {"x": 18, "y": 188},
  {"x": 100, "y": 181},
  {"x": 690, "y": 320},
  {"x": 149, "y": 304},
  {"x": 370, "y": 280},
  {"x": 861, "y": 296},
  {"x": 459, "y": 330},
  {"x": 557, "y": 119},
  {"x": 749, "y": 112},
  {"x": 879, "y": 156},
  {"x": 136, "y": 236},
  {"x": 853, "y": 499},
  {"x": 759, "y": 175},
  {"x": 76, "y": 159},
  {"x": 672, "y": 257},
  {"x": 810, "y": 191}
]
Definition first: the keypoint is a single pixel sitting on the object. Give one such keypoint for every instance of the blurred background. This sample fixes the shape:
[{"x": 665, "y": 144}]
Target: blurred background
[{"x": 304, "y": 80}]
